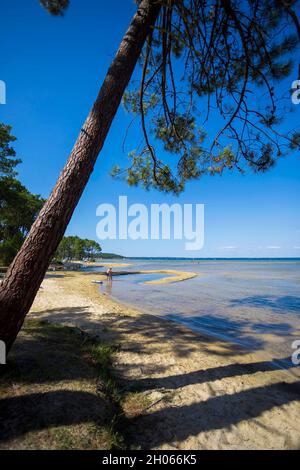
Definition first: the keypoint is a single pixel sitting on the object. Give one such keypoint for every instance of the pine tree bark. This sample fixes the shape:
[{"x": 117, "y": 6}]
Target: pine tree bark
[{"x": 23, "y": 279}]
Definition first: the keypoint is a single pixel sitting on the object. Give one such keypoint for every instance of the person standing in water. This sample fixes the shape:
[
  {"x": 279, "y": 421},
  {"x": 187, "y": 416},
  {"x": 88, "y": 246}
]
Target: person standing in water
[{"x": 109, "y": 274}]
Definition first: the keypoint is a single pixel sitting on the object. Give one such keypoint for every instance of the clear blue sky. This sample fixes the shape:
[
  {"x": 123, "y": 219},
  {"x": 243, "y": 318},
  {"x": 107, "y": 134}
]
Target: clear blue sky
[{"x": 53, "y": 68}]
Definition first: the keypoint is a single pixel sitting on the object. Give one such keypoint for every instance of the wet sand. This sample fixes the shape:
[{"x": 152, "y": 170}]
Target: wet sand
[
  {"x": 204, "y": 393},
  {"x": 173, "y": 276}
]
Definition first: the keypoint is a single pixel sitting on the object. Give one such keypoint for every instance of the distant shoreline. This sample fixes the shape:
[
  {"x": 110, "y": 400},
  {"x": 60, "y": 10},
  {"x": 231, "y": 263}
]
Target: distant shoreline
[{"x": 209, "y": 259}]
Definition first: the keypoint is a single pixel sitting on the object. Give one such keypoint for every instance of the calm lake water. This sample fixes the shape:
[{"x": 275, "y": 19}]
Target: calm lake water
[{"x": 252, "y": 303}]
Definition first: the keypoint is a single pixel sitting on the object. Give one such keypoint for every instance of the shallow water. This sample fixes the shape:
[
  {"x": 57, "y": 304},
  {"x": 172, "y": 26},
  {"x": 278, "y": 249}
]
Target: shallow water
[{"x": 252, "y": 303}]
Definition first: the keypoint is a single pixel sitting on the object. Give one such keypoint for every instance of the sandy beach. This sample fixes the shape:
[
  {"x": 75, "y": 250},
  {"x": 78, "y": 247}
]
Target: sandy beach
[{"x": 201, "y": 393}]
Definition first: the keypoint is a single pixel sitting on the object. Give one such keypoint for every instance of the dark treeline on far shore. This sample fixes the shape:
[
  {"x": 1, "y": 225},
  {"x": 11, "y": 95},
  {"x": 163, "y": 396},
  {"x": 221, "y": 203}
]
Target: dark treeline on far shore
[
  {"x": 73, "y": 248},
  {"x": 76, "y": 248}
]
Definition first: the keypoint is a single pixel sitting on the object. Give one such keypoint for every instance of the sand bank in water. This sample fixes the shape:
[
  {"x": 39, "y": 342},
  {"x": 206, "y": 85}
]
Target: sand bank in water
[
  {"x": 173, "y": 276},
  {"x": 203, "y": 393}
]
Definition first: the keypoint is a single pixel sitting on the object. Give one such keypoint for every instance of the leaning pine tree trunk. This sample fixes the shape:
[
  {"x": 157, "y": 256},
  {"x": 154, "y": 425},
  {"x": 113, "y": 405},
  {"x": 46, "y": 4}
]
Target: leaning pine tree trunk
[{"x": 24, "y": 276}]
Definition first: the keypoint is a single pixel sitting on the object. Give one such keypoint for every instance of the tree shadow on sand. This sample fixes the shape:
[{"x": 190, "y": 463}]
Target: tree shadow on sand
[
  {"x": 51, "y": 380},
  {"x": 220, "y": 412},
  {"x": 173, "y": 382},
  {"x": 116, "y": 327},
  {"x": 36, "y": 411},
  {"x": 46, "y": 356}
]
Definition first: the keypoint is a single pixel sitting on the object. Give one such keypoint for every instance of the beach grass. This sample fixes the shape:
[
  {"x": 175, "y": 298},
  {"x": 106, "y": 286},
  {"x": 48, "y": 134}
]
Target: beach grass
[{"x": 58, "y": 391}]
